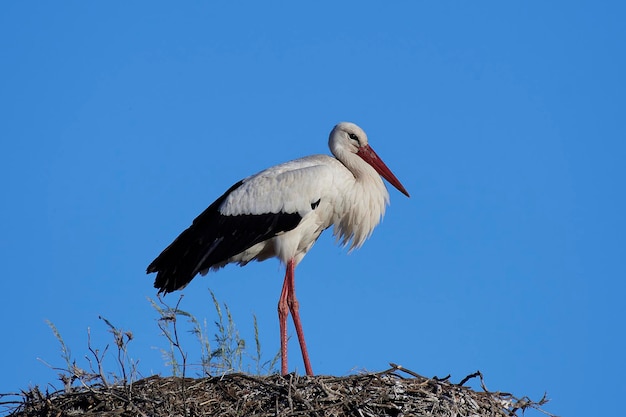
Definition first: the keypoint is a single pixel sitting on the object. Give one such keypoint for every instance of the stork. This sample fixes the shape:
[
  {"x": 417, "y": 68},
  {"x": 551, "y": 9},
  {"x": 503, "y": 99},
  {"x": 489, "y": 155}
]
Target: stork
[{"x": 280, "y": 212}]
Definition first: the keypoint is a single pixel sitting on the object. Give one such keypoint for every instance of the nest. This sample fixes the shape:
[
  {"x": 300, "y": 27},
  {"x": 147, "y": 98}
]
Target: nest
[{"x": 395, "y": 392}]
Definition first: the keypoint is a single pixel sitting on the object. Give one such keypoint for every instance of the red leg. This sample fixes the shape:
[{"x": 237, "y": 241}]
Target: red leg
[
  {"x": 283, "y": 311},
  {"x": 293, "y": 304},
  {"x": 287, "y": 303}
]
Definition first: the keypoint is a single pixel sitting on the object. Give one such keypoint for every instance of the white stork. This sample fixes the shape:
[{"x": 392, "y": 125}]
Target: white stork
[{"x": 280, "y": 212}]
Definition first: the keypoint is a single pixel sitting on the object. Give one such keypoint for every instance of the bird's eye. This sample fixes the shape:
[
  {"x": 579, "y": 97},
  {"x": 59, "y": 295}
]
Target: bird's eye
[{"x": 353, "y": 137}]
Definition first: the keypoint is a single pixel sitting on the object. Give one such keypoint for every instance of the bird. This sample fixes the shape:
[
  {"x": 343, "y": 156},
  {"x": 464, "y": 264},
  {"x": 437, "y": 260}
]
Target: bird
[{"x": 281, "y": 212}]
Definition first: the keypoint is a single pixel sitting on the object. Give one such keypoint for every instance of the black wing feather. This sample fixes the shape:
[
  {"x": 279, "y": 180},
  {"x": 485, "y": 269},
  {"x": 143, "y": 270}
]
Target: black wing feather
[{"x": 212, "y": 239}]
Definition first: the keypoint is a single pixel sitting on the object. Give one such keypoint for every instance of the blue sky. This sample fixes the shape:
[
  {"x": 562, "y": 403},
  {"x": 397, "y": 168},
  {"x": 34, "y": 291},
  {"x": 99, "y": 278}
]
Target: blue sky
[{"x": 504, "y": 120}]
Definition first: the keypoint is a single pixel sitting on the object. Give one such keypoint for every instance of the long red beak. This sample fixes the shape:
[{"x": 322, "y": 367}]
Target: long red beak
[{"x": 368, "y": 155}]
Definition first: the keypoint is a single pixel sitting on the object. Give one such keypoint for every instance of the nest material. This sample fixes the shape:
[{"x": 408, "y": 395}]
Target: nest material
[{"x": 385, "y": 393}]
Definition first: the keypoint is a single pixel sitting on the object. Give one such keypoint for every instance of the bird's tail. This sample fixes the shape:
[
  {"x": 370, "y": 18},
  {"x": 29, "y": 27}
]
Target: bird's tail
[{"x": 179, "y": 262}]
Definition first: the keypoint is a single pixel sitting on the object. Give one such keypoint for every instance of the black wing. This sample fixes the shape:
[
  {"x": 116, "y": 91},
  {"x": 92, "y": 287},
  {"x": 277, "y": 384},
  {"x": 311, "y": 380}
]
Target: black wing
[{"x": 212, "y": 239}]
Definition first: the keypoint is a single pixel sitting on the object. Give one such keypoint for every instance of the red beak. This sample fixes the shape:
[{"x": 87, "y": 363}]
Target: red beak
[{"x": 368, "y": 155}]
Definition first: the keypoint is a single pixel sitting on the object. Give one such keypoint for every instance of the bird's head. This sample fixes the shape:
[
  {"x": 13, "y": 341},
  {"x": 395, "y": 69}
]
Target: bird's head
[
  {"x": 347, "y": 136},
  {"x": 347, "y": 139}
]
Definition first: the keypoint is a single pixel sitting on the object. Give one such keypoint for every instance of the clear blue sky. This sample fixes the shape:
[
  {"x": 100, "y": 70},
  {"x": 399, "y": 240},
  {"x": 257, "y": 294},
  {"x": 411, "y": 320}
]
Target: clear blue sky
[{"x": 504, "y": 120}]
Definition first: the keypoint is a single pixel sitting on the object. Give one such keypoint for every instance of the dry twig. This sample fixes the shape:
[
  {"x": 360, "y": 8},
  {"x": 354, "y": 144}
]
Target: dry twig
[{"x": 375, "y": 394}]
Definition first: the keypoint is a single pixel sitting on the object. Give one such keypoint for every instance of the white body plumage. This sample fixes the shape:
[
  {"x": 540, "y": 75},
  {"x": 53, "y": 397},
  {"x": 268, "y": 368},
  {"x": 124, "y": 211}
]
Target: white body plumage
[{"x": 322, "y": 191}]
